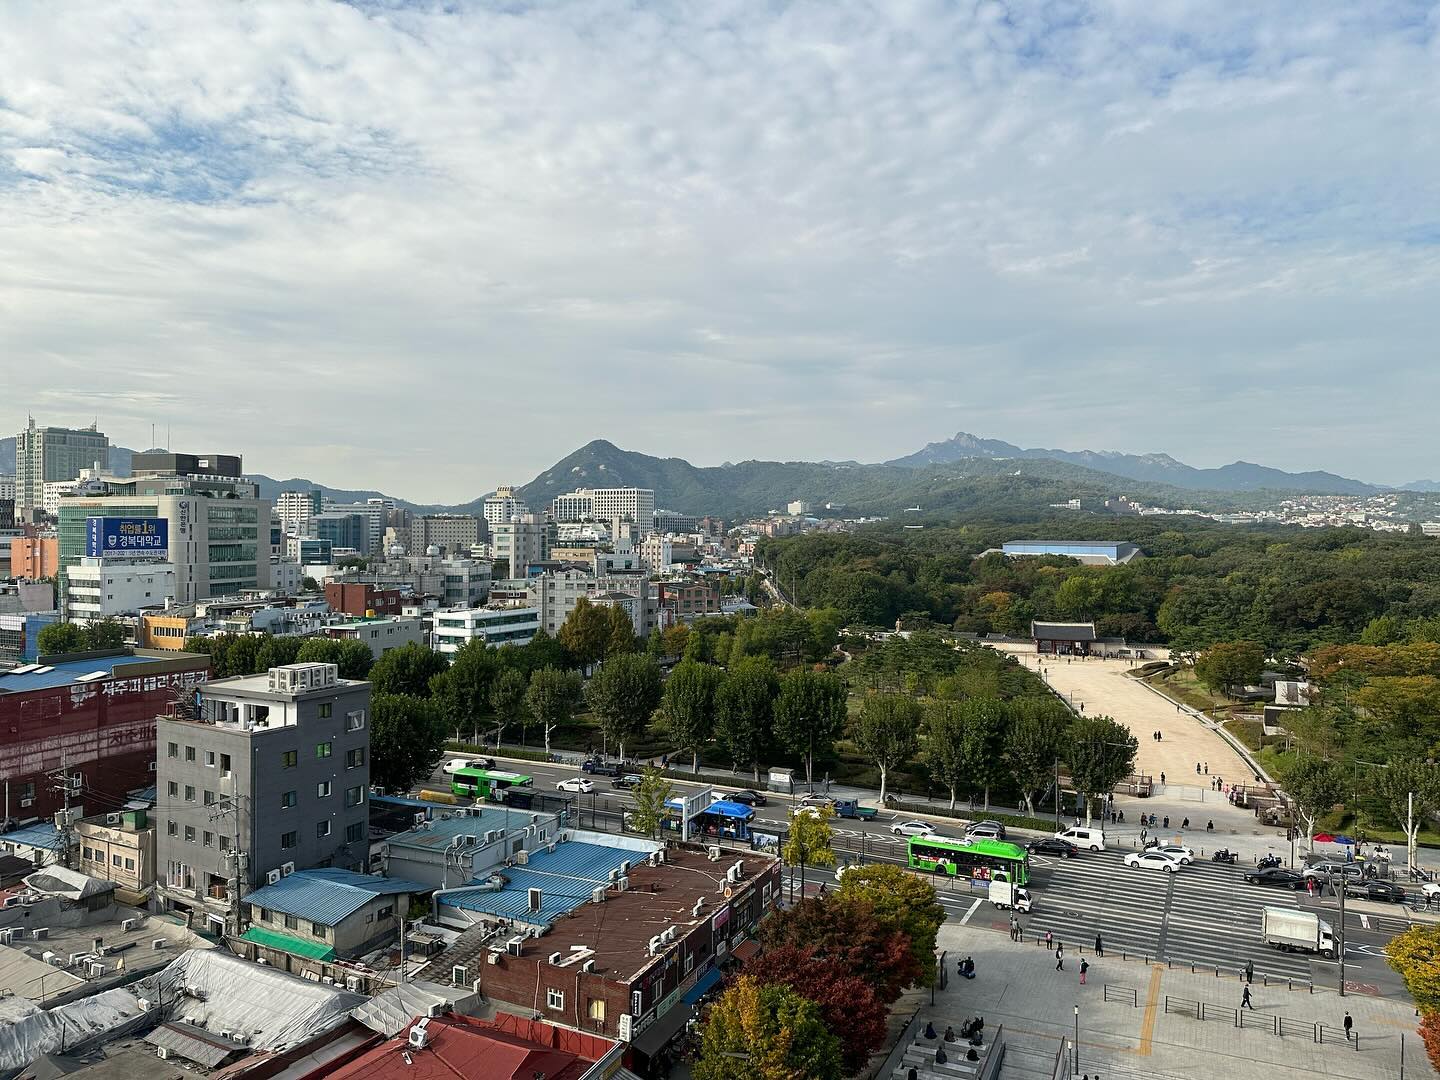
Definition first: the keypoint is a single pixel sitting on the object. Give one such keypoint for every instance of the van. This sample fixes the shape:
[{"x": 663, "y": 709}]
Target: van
[{"x": 1081, "y": 837}]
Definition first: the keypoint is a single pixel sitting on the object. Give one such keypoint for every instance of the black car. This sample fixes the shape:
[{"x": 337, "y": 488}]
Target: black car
[
  {"x": 1386, "y": 891},
  {"x": 746, "y": 797},
  {"x": 1052, "y": 845},
  {"x": 628, "y": 781},
  {"x": 1276, "y": 875},
  {"x": 600, "y": 768}
]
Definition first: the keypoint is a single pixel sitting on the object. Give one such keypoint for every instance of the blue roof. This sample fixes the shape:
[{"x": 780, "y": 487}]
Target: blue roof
[
  {"x": 565, "y": 878},
  {"x": 440, "y": 831},
  {"x": 42, "y": 834},
  {"x": 729, "y": 809},
  {"x": 66, "y": 673},
  {"x": 328, "y": 895}
]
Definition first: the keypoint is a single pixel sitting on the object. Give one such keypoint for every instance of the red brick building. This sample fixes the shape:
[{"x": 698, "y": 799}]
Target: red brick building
[
  {"x": 360, "y": 598},
  {"x": 34, "y": 557},
  {"x": 687, "y": 599}
]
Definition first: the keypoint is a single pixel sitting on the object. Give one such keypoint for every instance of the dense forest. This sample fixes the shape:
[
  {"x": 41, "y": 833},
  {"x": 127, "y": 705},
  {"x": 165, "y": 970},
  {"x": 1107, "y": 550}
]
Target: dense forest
[{"x": 1196, "y": 583}]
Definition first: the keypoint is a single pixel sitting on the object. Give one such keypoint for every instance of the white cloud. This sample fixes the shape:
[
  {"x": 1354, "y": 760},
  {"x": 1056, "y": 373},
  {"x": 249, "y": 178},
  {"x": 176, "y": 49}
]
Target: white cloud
[{"x": 432, "y": 248}]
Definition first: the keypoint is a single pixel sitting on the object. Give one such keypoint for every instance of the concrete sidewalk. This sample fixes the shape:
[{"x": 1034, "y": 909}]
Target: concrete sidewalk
[{"x": 1144, "y": 1020}]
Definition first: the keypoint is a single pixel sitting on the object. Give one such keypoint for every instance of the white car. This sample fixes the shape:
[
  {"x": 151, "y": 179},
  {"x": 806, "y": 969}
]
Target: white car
[
  {"x": 1431, "y": 891},
  {"x": 577, "y": 783},
  {"x": 845, "y": 868},
  {"x": 1179, "y": 852},
  {"x": 913, "y": 828},
  {"x": 454, "y": 765},
  {"x": 1153, "y": 860},
  {"x": 808, "y": 811}
]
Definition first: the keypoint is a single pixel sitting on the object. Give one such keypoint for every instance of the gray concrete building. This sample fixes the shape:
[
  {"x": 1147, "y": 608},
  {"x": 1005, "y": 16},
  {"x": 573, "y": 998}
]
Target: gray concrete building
[
  {"x": 270, "y": 776},
  {"x": 455, "y": 533},
  {"x": 54, "y": 453},
  {"x": 525, "y": 539}
]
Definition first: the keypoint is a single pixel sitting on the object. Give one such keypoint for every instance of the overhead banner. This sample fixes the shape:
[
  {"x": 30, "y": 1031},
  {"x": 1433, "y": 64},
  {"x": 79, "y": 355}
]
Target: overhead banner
[{"x": 129, "y": 538}]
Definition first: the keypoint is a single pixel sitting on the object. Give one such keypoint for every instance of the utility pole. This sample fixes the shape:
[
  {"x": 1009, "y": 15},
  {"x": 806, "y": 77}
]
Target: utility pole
[
  {"x": 63, "y": 782},
  {"x": 239, "y": 859},
  {"x": 1340, "y": 931}
]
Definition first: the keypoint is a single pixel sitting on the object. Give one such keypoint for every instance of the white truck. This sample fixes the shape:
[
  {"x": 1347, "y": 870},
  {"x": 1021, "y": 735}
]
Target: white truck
[
  {"x": 1005, "y": 895},
  {"x": 1291, "y": 929}
]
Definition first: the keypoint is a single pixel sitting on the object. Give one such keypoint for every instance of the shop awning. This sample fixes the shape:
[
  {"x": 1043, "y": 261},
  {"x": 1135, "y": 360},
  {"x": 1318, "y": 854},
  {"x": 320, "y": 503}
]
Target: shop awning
[
  {"x": 655, "y": 1037},
  {"x": 706, "y": 981},
  {"x": 745, "y": 950},
  {"x": 311, "y": 950}
]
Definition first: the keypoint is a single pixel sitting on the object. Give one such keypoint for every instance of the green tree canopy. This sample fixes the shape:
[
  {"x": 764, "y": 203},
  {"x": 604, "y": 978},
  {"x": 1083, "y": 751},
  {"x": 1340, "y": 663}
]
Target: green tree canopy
[
  {"x": 810, "y": 714},
  {"x": 688, "y": 704},
  {"x": 1411, "y": 790},
  {"x": 809, "y": 841},
  {"x": 353, "y": 658},
  {"x": 1315, "y": 785},
  {"x": 902, "y": 900},
  {"x": 766, "y": 1032},
  {"x": 1100, "y": 752},
  {"x": 507, "y": 698},
  {"x": 945, "y": 746},
  {"x": 623, "y": 695},
  {"x": 1415, "y": 956},
  {"x": 650, "y": 797},
  {"x": 551, "y": 699},
  {"x": 407, "y": 739},
  {"x": 850, "y": 1006},
  {"x": 1227, "y": 665},
  {"x": 1039, "y": 730},
  {"x": 60, "y": 637},
  {"x": 745, "y": 711},
  {"x": 462, "y": 691},
  {"x": 406, "y": 670},
  {"x": 585, "y": 633},
  {"x": 886, "y": 731}
]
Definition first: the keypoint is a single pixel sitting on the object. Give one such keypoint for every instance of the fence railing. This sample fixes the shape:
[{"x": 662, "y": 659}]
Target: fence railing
[
  {"x": 1252, "y": 1019},
  {"x": 1125, "y": 995}
]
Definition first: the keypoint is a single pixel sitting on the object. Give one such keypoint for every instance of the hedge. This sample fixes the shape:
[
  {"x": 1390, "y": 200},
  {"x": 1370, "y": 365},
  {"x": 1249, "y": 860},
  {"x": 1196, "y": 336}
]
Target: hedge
[{"x": 1010, "y": 821}]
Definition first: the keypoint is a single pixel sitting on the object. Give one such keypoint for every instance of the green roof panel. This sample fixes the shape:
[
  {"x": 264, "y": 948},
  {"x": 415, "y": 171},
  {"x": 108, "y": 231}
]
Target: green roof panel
[{"x": 311, "y": 950}]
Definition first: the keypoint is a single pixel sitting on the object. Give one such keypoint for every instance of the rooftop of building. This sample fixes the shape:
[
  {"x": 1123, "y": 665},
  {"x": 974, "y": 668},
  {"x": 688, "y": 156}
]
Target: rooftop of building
[
  {"x": 67, "y": 671},
  {"x": 457, "y": 1046},
  {"x": 1058, "y": 631},
  {"x": 440, "y": 832},
  {"x": 328, "y": 895},
  {"x": 38, "y": 834},
  {"x": 566, "y": 878},
  {"x": 265, "y": 685},
  {"x": 618, "y": 930}
]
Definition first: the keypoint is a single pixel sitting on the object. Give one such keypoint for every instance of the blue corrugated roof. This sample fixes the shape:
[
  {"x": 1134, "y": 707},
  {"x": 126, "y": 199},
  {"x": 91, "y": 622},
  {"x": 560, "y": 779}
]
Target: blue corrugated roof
[
  {"x": 42, "y": 834},
  {"x": 64, "y": 674},
  {"x": 441, "y": 831},
  {"x": 565, "y": 878},
  {"x": 328, "y": 895},
  {"x": 730, "y": 809}
]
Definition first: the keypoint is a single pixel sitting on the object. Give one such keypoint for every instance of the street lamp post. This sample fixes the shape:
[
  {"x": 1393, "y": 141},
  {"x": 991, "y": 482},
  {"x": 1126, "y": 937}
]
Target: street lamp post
[{"x": 1077, "y": 1039}]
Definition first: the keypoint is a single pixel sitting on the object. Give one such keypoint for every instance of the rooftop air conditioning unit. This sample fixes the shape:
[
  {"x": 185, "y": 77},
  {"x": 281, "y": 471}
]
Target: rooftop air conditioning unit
[
  {"x": 514, "y": 945},
  {"x": 622, "y": 883},
  {"x": 352, "y": 983},
  {"x": 129, "y": 924},
  {"x": 535, "y": 899},
  {"x": 490, "y": 836},
  {"x": 654, "y": 944},
  {"x": 419, "y": 1037},
  {"x": 588, "y": 965},
  {"x": 158, "y": 943},
  {"x": 162, "y": 1053},
  {"x": 713, "y": 853},
  {"x": 550, "y": 847},
  {"x": 458, "y": 974},
  {"x": 522, "y": 857},
  {"x": 597, "y": 896},
  {"x": 670, "y": 933},
  {"x": 96, "y": 970},
  {"x": 614, "y": 875},
  {"x": 421, "y": 818},
  {"x": 7, "y": 935},
  {"x": 26, "y": 802},
  {"x": 112, "y": 819},
  {"x": 695, "y": 911},
  {"x": 553, "y": 959},
  {"x": 40, "y": 933},
  {"x": 328, "y": 981},
  {"x": 51, "y": 958},
  {"x": 625, "y": 866},
  {"x": 286, "y": 869},
  {"x": 492, "y": 958},
  {"x": 261, "y": 960},
  {"x": 272, "y": 876}
]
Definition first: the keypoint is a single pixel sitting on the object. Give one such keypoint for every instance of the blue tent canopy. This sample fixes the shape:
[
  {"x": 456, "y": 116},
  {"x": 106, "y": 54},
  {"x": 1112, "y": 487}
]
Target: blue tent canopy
[{"x": 723, "y": 808}]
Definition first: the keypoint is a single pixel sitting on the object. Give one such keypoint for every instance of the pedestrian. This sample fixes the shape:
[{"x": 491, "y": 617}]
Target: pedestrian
[
  {"x": 1142, "y": 834},
  {"x": 1349, "y": 1023},
  {"x": 1162, "y": 778},
  {"x": 1084, "y": 967},
  {"x": 1197, "y": 767},
  {"x": 1207, "y": 768},
  {"x": 1159, "y": 736},
  {"x": 1167, "y": 821},
  {"x": 1245, "y": 1000},
  {"x": 1049, "y": 939},
  {"x": 1014, "y": 928},
  {"x": 1310, "y": 887},
  {"x": 1209, "y": 826},
  {"x": 1185, "y": 824},
  {"x": 1122, "y": 815},
  {"x": 1249, "y": 971},
  {"x": 1099, "y": 946},
  {"x": 1060, "y": 958}
]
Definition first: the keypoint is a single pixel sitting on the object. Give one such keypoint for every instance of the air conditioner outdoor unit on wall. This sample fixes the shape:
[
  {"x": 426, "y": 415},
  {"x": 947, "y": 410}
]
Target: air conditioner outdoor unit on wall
[{"x": 272, "y": 876}]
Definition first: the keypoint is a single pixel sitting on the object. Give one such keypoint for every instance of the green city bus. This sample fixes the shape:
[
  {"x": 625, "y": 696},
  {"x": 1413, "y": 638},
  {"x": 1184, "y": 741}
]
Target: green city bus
[
  {"x": 486, "y": 783},
  {"x": 969, "y": 858}
]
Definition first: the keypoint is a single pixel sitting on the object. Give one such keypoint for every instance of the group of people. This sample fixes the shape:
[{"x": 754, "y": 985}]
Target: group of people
[{"x": 1158, "y": 737}]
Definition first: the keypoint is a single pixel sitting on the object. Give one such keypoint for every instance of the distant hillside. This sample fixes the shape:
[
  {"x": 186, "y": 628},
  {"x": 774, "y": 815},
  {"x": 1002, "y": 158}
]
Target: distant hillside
[
  {"x": 270, "y": 488},
  {"x": 1153, "y": 468},
  {"x": 753, "y": 487}
]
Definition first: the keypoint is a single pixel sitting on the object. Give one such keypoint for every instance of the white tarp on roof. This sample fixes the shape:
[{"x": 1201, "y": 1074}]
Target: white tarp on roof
[
  {"x": 221, "y": 992},
  {"x": 390, "y": 1012},
  {"x": 70, "y": 884},
  {"x": 66, "y": 1027}
]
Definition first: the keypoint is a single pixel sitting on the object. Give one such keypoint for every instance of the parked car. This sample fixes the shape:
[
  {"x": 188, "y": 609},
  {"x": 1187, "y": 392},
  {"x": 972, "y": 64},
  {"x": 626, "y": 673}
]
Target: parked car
[
  {"x": 579, "y": 784},
  {"x": 815, "y": 799},
  {"x": 747, "y": 797},
  {"x": 1081, "y": 837},
  {"x": 1322, "y": 871},
  {"x": 1152, "y": 860},
  {"x": 1051, "y": 845},
  {"x": 454, "y": 765},
  {"x": 913, "y": 828},
  {"x": 1430, "y": 891},
  {"x": 1384, "y": 891},
  {"x": 1275, "y": 875},
  {"x": 628, "y": 781},
  {"x": 990, "y": 830},
  {"x": 600, "y": 768},
  {"x": 1179, "y": 852}
]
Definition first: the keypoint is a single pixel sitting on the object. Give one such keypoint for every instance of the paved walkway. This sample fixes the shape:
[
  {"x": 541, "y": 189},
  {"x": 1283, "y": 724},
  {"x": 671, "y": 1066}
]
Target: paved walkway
[{"x": 1133, "y": 1035}]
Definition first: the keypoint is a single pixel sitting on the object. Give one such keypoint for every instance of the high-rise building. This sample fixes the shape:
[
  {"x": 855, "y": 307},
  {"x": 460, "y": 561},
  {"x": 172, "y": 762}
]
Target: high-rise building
[
  {"x": 343, "y": 530},
  {"x": 525, "y": 539},
  {"x": 296, "y": 509},
  {"x": 375, "y": 514},
  {"x": 54, "y": 453},
  {"x": 268, "y": 777},
  {"x": 635, "y": 505},
  {"x": 503, "y": 506},
  {"x": 456, "y": 533}
]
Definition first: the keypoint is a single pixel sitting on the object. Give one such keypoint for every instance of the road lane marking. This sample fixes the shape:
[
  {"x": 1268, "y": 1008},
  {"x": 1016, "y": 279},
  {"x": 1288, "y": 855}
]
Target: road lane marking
[
  {"x": 1364, "y": 920},
  {"x": 1152, "y": 1001},
  {"x": 973, "y": 906}
]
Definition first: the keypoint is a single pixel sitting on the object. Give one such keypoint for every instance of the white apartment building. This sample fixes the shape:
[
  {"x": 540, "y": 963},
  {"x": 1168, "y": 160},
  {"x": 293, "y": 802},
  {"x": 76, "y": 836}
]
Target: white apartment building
[
  {"x": 383, "y": 633},
  {"x": 656, "y": 554},
  {"x": 103, "y": 588},
  {"x": 374, "y": 512},
  {"x": 503, "y": 506},
  {"x": 54, "y": 453},
  {"x": 456, "y": 627},
  {"x": 556, "y": 592},
  {"x": 285, "y": 576},
  {"x": 296, "y": 509},
  {"x": 635, "y": 505},
  {"x": 521, "y": 541},
  {"x": 572, "y": 507}
]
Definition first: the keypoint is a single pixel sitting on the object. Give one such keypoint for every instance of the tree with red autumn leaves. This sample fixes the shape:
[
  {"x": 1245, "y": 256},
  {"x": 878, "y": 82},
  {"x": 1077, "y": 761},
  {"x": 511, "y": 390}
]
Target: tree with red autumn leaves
[
  {"x": 848, "y": 1003},
  {"x": 850, "y": 934},
  {"x": 1429, "y": 1034}
]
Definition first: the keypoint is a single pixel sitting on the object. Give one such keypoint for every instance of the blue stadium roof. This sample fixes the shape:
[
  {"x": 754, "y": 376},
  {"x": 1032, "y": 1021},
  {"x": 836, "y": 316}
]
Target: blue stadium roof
[
  {"x": 565, "y": 878},
  {"x": 328, "y": 896},
  {"x": 12, "y": 682}
]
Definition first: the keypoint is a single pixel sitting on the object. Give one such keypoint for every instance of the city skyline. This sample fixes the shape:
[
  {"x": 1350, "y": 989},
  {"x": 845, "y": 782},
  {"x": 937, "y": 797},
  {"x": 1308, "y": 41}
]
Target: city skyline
[{"x": 377, "y": 242}]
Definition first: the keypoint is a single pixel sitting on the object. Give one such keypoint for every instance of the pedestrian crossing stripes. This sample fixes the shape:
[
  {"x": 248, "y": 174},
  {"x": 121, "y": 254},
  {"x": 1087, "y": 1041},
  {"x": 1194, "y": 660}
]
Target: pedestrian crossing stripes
[{"x": 1203, "y": 914}]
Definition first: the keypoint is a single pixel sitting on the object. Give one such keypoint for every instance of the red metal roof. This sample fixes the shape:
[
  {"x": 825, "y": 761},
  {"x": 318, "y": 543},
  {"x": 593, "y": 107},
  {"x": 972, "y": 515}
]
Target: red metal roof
[{"x": 460, "y": 1046}]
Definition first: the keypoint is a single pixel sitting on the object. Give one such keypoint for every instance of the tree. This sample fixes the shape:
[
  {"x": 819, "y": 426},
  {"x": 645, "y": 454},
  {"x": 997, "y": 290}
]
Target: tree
[
  {"x": 1415, "y": 956},
  {"x": 353, "y": 658},
  {"x": 406, "y": 670},
  {"x": 808, "y": 842},
  {"x": 407, "y": 738},
  {"x": 507, "y": 698},
  {"x": 1228, "y": 664},
  {"x": 309, "y": 584},
  {"x": 104, "y": 634},
  {"x": 810, "y": 714},
  {"x": 688, "y": 705},
  {"x": 1037, "y": 735},
  {"x": 620, "y": 631},
  {"x": 1411, "y": 790},
  {"x": 757, "y": 1032},
  {"x": 551, "y": 699},
  {"x": 623, "y": 695},
  {"x": 945, "y": 746},
  {"x": 903, "y": 901},
  {"x": 984, "y": 727},
  {"x": 886, "y": 732},
  {"x": 585, "y": 634},
  {"x": 650, "y": 796},
  {"x": 463, "y": 690},
  {"x": 848, "y": 1003},
  {"x": 852, "y": 935},
  {"x": 745, "y": 710},
  {"x": 278, "y": 651},
  {"x": 1101, "y": 753},
  {"x": 60, "y": 637},
  {"x": 1315, "y": 786}
]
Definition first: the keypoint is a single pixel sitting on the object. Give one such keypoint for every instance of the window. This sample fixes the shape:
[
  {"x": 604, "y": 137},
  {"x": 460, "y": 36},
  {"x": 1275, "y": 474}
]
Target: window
[
  {"x": 173, "y": 789},
  {"x": 288, "y": 840},
  {"x": 354, "y": 721},
  {"x": 190, "y": 834},
  {"x": 287, "y": 800},
  {"x": 387, "y": 912},
  {"x": 170, "y": 828},
  {"x": 354, "y": 833},
  {"x": 355, "y": 758},
  {"x": 354, "y": 796},
  {"x": 114, "y": 860},
  {"x": 319, "y": 930},
  {"x": 209, "y": 839},
  {"x": 289, "y": 759},
  {"x": 555, "y": 999},
  {"x": 172, "y": 750},
  {"x": 207, "y": 797},
  {"x": 292, "y": 923},
  {"x": 189, "y": 753},
  {"x": 322, "y": 750},
  {"x": 129, "y": 864},
  {"x": 597, "y": 1010},
  {"x": 224, "y": 762},
  {"x": 189, "y": 793},
  {"x": 322, "y": 829},
  {"x": 323, "y": 710},
  {"x": 322, "y": 789},
  {"x": 224, "y": 842},
  {"x": 209, "y": 759}
]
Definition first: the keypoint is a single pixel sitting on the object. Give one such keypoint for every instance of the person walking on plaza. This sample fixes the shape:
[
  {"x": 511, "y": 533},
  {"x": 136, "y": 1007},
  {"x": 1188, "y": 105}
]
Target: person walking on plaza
[
  {"x": 1049, "y": 939},
  {"x": 1249, "y": 971},
  {"x": 1084, "y": 967},
  {"x": 1349, "y": 1023},
  {"x": 1245, "y": 1000},
  {"x": 1099, "y": 946},
  {"x": 1060, "y": 958}
]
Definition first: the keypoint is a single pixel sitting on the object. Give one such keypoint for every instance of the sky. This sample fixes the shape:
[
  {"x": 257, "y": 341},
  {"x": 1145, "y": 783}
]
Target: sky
[{"x": 432, "y": 248}]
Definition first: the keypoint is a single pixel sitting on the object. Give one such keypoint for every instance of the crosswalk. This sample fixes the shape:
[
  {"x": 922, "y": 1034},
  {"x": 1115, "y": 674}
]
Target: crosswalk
[{"x": 1204, "y": 914}]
